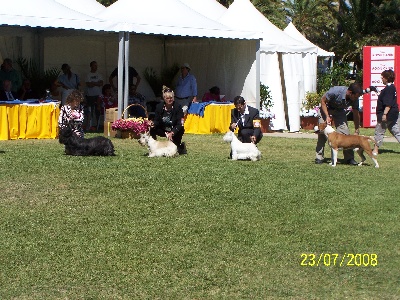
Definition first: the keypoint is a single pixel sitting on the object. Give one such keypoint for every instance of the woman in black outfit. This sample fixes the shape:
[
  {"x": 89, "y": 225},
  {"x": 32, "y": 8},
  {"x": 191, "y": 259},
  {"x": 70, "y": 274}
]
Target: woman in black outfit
[
  {"x": 168, "y": 120},
  {"x": 387, "y": 110}
]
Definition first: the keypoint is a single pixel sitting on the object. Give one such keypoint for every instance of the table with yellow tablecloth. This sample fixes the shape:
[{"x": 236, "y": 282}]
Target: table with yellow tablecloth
[
  {"x": 216, "y": 119},
  {"x": 29, "y": 120}
]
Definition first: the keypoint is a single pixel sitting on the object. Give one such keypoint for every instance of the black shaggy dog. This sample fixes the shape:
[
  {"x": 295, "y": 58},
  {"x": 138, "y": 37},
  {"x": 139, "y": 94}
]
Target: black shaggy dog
[{"x": 75, "y": 145}]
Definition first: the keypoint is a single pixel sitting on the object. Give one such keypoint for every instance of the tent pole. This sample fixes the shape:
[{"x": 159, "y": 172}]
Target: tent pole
[
  {"x": 120, "y": 72},
  {"x": 258, "y": 76},
  {"x": 126, "y": 69},
  {"x": 285, "y": 104}
]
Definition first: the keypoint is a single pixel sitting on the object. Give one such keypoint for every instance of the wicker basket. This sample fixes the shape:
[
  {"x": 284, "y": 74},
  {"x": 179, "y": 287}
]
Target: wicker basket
[
  {"x": 130, "y": 134},
  {"x": 135, "y": 104},
  {"x": 127, "y": 135}
]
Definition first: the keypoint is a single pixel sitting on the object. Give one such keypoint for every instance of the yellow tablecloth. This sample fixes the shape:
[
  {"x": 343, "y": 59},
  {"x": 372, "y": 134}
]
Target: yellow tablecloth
[
  {"x": 29, "y": 121},
  {"x": 216, "y": 119}
]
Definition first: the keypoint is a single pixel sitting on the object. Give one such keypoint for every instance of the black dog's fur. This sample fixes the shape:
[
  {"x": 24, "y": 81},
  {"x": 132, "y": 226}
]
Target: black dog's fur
[{"x": 74, "y": 145}]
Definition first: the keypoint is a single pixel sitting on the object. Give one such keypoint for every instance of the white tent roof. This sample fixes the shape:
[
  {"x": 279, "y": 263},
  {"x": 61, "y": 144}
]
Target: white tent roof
[
  {"x": 294, "y": 33},
  {"x": 91, "y": 7},
  {"x": 242, "y": 14},
  {"x": 48, "y": 13},
  {"x": 210, "y": 8},
  {"x": 168, "y": 17},
  {"x": 164, "y": 17}
]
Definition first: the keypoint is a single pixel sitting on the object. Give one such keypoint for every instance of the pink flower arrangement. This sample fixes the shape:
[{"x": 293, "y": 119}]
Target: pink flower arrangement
[{"x": 135, "y": 125}]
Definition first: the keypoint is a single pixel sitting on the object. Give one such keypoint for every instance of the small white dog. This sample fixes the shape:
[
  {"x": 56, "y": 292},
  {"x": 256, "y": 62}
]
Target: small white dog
[
  {"x": 158, "y": 148},
  {"x": 242, "y": 151}
]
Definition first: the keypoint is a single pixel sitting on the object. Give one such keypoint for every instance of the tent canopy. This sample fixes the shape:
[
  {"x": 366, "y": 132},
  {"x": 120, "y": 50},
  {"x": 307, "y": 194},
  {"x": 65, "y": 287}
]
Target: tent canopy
[
  {"x": 243, "y": 14},
  {"x": 224, "y": 60},
  {"x": 91, "y": 7},
  {"x": 209, "y": 8},
  {"x": 161, "y": 17},
  {"x": 49, "y": 13},
  {"x": 168, "y": 17},
  {"x": 292, "y": 31}
]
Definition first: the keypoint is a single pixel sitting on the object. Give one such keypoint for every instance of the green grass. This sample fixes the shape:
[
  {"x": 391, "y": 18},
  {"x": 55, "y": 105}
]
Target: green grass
[{"x": 197, "y": 226}]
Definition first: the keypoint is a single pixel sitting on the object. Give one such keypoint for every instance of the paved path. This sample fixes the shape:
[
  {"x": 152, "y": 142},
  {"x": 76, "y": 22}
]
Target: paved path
[{"x": 304, "y": 135}]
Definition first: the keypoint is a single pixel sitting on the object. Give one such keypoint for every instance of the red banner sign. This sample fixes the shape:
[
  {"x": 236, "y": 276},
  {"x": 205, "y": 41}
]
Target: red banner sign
[{"x": 376, "y": 60}]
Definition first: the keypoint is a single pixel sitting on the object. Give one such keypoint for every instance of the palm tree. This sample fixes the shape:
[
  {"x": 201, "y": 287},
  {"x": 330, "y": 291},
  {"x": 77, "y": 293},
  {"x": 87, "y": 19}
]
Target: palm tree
[
  {"x": 365, "y": 22},
  {"x": 225, "y": 3},
  {"x": 314, "y": 20},
  {"x": 274, "y": 10},
  {"x": 106, "y": 2}
]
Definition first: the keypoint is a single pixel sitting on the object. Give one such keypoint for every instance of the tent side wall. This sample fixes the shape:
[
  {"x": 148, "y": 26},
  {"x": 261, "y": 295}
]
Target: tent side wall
[
  {"x": 222, "y": 62},
  {"x": 79, "y": 51},
  {"x": 226, "y": 63},
  {"x": 17, "y": 42}
]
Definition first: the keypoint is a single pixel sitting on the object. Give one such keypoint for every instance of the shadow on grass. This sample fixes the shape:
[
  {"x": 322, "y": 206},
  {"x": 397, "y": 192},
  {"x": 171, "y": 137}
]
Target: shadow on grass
[{"x": 381, "y": 151}]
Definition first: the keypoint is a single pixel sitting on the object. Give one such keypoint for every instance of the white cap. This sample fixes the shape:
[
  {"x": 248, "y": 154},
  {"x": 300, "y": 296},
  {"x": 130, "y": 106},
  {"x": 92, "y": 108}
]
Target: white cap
[{"x": 186, "y": 65}]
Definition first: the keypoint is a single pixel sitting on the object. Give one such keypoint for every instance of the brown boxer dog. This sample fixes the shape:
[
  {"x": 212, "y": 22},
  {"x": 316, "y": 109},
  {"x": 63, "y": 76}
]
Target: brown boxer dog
[{"x": 337, "y": 140}]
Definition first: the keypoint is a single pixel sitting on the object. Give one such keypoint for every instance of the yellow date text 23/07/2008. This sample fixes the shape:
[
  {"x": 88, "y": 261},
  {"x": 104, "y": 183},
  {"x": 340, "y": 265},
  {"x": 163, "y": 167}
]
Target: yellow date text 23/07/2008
[{"x": 339, "y": 259}]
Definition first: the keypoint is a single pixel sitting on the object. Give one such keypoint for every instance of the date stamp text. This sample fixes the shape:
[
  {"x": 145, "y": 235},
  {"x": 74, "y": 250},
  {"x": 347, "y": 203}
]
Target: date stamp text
[{"x": 339, "y": 259}]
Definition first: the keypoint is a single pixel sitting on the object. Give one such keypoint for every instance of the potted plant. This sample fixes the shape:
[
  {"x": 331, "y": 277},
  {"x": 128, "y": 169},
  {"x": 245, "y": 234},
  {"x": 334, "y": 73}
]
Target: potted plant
[
  {"x": 309, "y": 111},
  {"x": 265, "y": 107},
  {"x": 156, "y": 82},
  {"x": 40, "y": 80}
]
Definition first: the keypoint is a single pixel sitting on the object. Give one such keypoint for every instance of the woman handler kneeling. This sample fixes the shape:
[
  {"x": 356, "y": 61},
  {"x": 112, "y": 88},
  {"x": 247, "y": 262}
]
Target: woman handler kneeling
[{"x": 168, "y": 121}]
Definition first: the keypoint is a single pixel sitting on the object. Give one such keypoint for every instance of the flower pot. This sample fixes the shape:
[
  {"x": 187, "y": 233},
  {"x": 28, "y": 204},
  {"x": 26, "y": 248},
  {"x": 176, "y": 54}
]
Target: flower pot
[
  {"x": 308, "y": 123},
  {"x": 128, "y": 135},
  {"x": 265, "y": 125}
]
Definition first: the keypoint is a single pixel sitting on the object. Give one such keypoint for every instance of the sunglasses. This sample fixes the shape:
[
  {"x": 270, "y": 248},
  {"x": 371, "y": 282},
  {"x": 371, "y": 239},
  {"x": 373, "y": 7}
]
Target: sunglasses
[{"x": 167, "y": 91}]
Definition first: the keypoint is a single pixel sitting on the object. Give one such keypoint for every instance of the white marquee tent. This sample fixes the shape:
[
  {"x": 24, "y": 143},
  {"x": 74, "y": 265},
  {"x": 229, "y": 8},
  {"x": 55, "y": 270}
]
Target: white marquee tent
[
  {"x": 49, "y": 13},
  {"x": 91, "y": 7},
  {"x": 281, "y": 62},
  {"x": 172, "y": 18},
  {"x": 292, "y": 31},
  {"x": 209, "y": 8},
  {"x": 170, "y": 31},
  {"x": 167, "y": 17},
  {"x": 214, "y": 10},
  {"x": 23, "y": 24},
  {"x": 310, "y": 59}
]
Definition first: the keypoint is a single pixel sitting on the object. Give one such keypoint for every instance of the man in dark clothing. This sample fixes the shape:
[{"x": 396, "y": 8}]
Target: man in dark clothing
[
  {"x": 247, "y": 119},
  {"x": 132, "y": 73}
]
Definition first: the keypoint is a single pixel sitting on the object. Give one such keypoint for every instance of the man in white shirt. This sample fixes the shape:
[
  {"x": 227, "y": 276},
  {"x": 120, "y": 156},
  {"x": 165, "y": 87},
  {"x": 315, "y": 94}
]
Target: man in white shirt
[
  {"x": 68, "y": 81},
  {"x": 94, "y": 83}
]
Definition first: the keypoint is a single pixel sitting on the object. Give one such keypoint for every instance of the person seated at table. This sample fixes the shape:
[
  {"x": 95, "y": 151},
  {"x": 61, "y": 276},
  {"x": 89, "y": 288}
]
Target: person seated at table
[
  {"x": 107, "y": 99},
  {"x": 26, "y": 91},
  {"x": 213, "y": 94},
  {"x": 7, "y": 94},
  {"x": 168, "y": 120},
  {"x": 7, "y": 72},
  {"x": 72, "y": 113},
  {"x": 247, "y": 119},
  {"x": 55, "y": 91},
  {"x": 136, "y": 98}
]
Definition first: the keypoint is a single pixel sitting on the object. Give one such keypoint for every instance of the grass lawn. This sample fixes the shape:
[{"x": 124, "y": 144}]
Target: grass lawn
[{"x": 198, "y": 226}]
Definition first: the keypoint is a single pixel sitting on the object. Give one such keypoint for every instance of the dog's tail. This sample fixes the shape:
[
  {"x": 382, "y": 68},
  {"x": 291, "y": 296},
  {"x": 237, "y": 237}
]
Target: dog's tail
[{"x": 372, "y": 140}]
